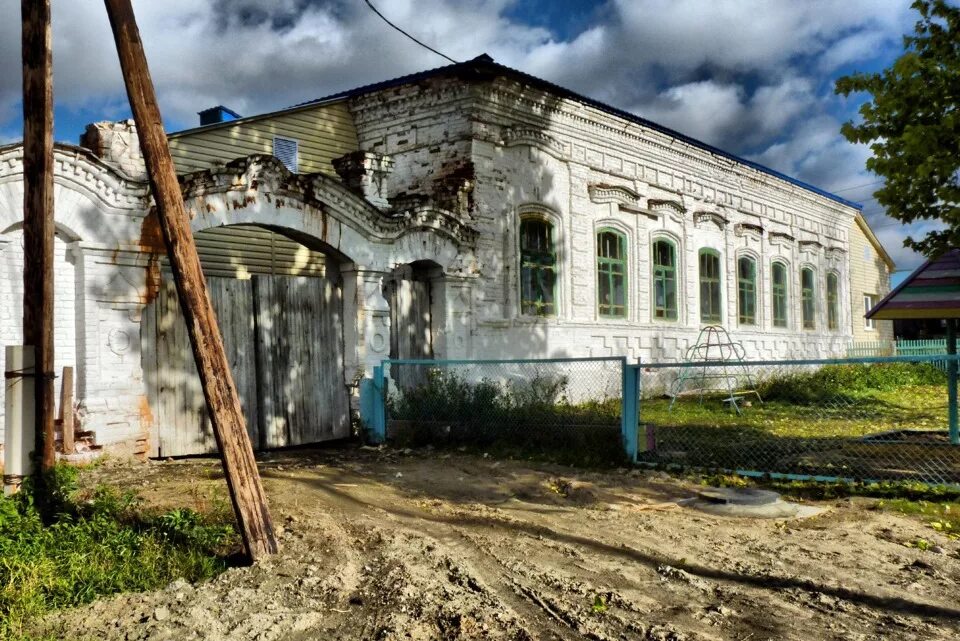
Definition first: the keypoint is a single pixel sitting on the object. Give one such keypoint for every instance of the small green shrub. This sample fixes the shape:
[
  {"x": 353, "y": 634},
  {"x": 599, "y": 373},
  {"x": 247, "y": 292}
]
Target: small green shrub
[{"x": 93, "y": 546}]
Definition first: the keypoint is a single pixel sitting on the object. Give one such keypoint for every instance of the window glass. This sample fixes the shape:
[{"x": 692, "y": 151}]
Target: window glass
[
  {"x": 611, "y": 273},
  {"x": 710, "y": 287},
  {"x": 538, "y": 268},
  {"x": 868, "y": 302},
  {"x": 779, "y": 290},
  {"x": 747, "y": 290},
  {"x": 808, "y": 298},
  {"x": 833, "y": 301},
  {"x": 664, "y": 280}
]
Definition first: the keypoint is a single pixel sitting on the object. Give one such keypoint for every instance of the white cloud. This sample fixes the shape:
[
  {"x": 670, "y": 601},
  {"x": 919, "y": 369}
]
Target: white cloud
[
  {"x": 750, "y": 76},
  {"x": 704, "y": 110}
]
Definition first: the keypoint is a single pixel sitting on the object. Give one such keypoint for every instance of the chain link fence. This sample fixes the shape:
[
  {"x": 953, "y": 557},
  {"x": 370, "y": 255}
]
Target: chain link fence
[
  {"x": 870, "y": 419},
  {"x": 863, "y": 419},
  {"x": 570, "y": 409}
]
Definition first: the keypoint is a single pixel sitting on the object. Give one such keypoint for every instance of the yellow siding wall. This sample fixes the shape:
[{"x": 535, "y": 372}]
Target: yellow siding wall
[
  {"x": 324, "y": 132},
  {"x": 869, "y": 274}
]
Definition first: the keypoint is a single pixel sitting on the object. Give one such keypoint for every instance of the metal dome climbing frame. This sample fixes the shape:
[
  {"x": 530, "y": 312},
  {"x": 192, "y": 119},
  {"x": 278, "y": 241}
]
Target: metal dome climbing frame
[{"x": 715, "y": 365}]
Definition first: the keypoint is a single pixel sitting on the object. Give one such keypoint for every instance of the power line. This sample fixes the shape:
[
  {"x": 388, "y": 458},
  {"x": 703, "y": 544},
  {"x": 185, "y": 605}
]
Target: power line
[
  {"x": 851, "y": 188},
  {"x": 425, "y": 46}
]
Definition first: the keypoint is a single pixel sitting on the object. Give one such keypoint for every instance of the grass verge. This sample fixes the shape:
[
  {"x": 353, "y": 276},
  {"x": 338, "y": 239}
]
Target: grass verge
[{"x": 93, "y": 544}]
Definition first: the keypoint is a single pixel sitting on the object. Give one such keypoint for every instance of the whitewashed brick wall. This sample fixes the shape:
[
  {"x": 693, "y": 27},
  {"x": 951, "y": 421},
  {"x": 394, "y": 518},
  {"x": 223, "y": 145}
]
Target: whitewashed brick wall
[{"x": 530, "y": 152}]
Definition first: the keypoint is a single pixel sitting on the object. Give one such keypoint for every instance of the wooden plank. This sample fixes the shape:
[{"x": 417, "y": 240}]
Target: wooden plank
[
  {"x": 243, "y": 478},
  {"x": 66, "y": 409},
  {"x": 302, "y": 390},
  {"x": 273, "y": 429},
  {"x": 148, "y": 363},
  {"x": 38, "y": 228},
  {"x": 233, "y": 303}
]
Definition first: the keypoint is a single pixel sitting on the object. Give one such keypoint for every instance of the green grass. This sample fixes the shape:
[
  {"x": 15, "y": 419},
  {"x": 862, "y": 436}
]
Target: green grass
[
  {"x": 811, "y": 422},
  {"x": 96, "y": 544},
  {"x": 852, "y": 415},
  {"x": 941, "y": 516}
]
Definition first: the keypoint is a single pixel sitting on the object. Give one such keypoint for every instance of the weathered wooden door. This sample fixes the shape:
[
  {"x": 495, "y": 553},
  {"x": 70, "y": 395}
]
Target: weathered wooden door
[
  {"x": 283, "y": 337},
  {"x": 410, "y": 331}
]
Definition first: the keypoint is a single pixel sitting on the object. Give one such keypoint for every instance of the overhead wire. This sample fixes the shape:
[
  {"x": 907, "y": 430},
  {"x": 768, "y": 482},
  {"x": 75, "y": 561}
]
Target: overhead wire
[{"x": 422, "y": 44}]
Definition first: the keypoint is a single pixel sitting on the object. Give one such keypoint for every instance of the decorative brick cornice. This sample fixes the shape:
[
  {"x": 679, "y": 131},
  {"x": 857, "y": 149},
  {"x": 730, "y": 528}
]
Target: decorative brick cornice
[
  {"x": 748, "y": 229},
  {"x": 80, "y": 170},
  {"x": 537, "y": 138},
  {"x": 246, "y": 181},
  {"x": 780, "y": 238},
  {"x": 603, "y": 194},
  {"x": 660, "y": 206}
]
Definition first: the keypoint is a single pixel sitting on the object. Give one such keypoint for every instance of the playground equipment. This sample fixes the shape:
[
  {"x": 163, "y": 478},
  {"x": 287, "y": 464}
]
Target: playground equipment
[{"x": 714, "y": 364}]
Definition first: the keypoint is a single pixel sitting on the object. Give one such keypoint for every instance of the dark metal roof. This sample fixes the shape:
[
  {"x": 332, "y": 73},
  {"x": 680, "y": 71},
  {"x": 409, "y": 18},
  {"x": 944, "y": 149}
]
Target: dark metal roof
[{"x": 483, "y": 68}]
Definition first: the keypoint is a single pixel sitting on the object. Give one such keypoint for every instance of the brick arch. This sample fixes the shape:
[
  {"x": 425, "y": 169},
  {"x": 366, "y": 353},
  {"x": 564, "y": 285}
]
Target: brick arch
[{"x": 322, "y": 214}]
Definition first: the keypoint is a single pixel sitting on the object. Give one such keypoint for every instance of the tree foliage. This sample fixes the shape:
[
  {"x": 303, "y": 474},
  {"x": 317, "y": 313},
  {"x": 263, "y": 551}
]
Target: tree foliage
[{"x": 913, "y": 127}]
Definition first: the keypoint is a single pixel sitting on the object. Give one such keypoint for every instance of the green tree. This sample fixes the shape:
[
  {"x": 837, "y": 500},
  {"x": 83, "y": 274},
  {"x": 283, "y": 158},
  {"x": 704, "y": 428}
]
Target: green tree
[{"x": 913, "y": 127}]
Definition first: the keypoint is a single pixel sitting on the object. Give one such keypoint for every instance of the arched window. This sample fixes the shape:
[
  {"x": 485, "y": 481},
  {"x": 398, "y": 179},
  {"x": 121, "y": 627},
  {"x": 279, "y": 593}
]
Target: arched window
[
  {"x": 538, "y": 268},
  {"x": 665, "y": 280},
  {"x": 833, "y": 301},
  {"x": 779, "y": 292},
  {"x": 808, "y": 295},
  {"x": 710, "y": 311},
  {"x": 747, "y": 290},
  {"x": 611, "y": 273}
]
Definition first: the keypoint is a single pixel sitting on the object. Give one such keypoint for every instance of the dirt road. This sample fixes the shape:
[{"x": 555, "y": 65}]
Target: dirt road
[{"x": 382, "y": 545}]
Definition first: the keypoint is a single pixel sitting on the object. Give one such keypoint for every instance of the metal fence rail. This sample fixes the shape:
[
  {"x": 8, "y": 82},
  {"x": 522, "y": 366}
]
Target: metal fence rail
[{"x": 869, "y": 419}]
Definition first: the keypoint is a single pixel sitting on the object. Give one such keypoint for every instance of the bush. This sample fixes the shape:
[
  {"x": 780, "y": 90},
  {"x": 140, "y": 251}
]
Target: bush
[{"x": 49, "y": 565}]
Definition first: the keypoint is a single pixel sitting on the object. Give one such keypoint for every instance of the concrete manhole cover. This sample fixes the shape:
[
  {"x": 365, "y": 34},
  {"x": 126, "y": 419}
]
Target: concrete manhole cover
[
  {"x": 749, "y": 502},
  {"x": 738, "y": 496}
]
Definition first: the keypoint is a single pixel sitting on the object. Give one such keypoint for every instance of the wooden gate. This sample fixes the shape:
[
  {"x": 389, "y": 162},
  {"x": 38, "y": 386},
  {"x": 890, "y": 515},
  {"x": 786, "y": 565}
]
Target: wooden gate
[{"x": 284, "y": 340}]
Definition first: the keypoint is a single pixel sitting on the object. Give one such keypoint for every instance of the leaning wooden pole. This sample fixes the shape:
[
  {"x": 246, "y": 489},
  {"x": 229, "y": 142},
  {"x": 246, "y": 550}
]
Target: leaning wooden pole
[
  {"x": 243, "y": 479},
  {"x": 38, "y": 229}
]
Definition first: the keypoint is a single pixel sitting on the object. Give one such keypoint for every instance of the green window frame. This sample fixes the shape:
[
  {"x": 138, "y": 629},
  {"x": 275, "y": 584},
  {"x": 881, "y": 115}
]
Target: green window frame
[
  {"x": 710, "y": 287},
  {"x": 808, "y": 297},
  {"x": 538, "y": 268},
  {"x": 747, "y": 290},
  {"x": 780, "y": 293},
  {"x": 611, "y": 273},
  {"x": 833, "y": 301},
  {"x": 665, "y": 280}
]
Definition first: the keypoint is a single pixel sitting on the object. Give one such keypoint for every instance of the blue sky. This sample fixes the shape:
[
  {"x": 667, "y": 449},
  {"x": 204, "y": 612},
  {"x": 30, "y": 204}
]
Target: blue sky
[{"x": 754, "y": 77}]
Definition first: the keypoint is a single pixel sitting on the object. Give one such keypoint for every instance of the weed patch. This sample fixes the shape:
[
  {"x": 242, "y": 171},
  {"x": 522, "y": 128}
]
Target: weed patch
[
  {"x": 95, "y": 544},
  {"x": 529, "y": 418}
]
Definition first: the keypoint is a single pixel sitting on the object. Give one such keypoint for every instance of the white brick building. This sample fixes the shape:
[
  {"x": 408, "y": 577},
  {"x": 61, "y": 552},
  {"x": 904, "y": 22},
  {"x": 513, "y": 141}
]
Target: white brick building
[{"x": 478, "y": 213}]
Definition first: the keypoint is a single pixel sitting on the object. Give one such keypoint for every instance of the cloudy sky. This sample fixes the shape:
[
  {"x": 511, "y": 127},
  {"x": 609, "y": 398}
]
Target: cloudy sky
[{"x": 754, "y": 77}]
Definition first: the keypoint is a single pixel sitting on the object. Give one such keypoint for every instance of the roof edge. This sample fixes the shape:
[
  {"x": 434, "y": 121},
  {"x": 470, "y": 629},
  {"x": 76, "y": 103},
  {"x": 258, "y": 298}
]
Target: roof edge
[
  {"x": 485, "y": 66},
  {"x": 872, "y": 237},
  {"x": 254, "y": 118}
]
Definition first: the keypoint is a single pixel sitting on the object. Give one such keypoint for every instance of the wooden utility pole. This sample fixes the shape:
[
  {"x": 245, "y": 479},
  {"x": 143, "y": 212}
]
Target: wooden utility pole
[
  {"x": 38, "y": 226},
  {"x": 223, "y": 403}
]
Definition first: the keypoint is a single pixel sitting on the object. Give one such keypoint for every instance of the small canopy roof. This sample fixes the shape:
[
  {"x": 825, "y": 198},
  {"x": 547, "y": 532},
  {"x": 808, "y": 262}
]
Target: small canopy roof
[{"x": 931, "y": 291}]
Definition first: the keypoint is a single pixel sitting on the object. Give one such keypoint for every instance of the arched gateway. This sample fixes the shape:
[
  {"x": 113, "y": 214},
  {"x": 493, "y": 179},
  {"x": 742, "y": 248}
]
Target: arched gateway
[{"x": 300, "y": 270}]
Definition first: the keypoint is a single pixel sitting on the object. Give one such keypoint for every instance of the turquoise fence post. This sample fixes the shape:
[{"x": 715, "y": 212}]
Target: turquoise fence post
[
  {"x": 630, "y": 416},
  {"x": 378, "y": 423},
  {"x": 952, "y": 382}
]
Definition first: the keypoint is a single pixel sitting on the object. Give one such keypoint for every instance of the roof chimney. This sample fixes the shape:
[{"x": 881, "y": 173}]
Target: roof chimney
[{"x": 213, "y": 115}]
